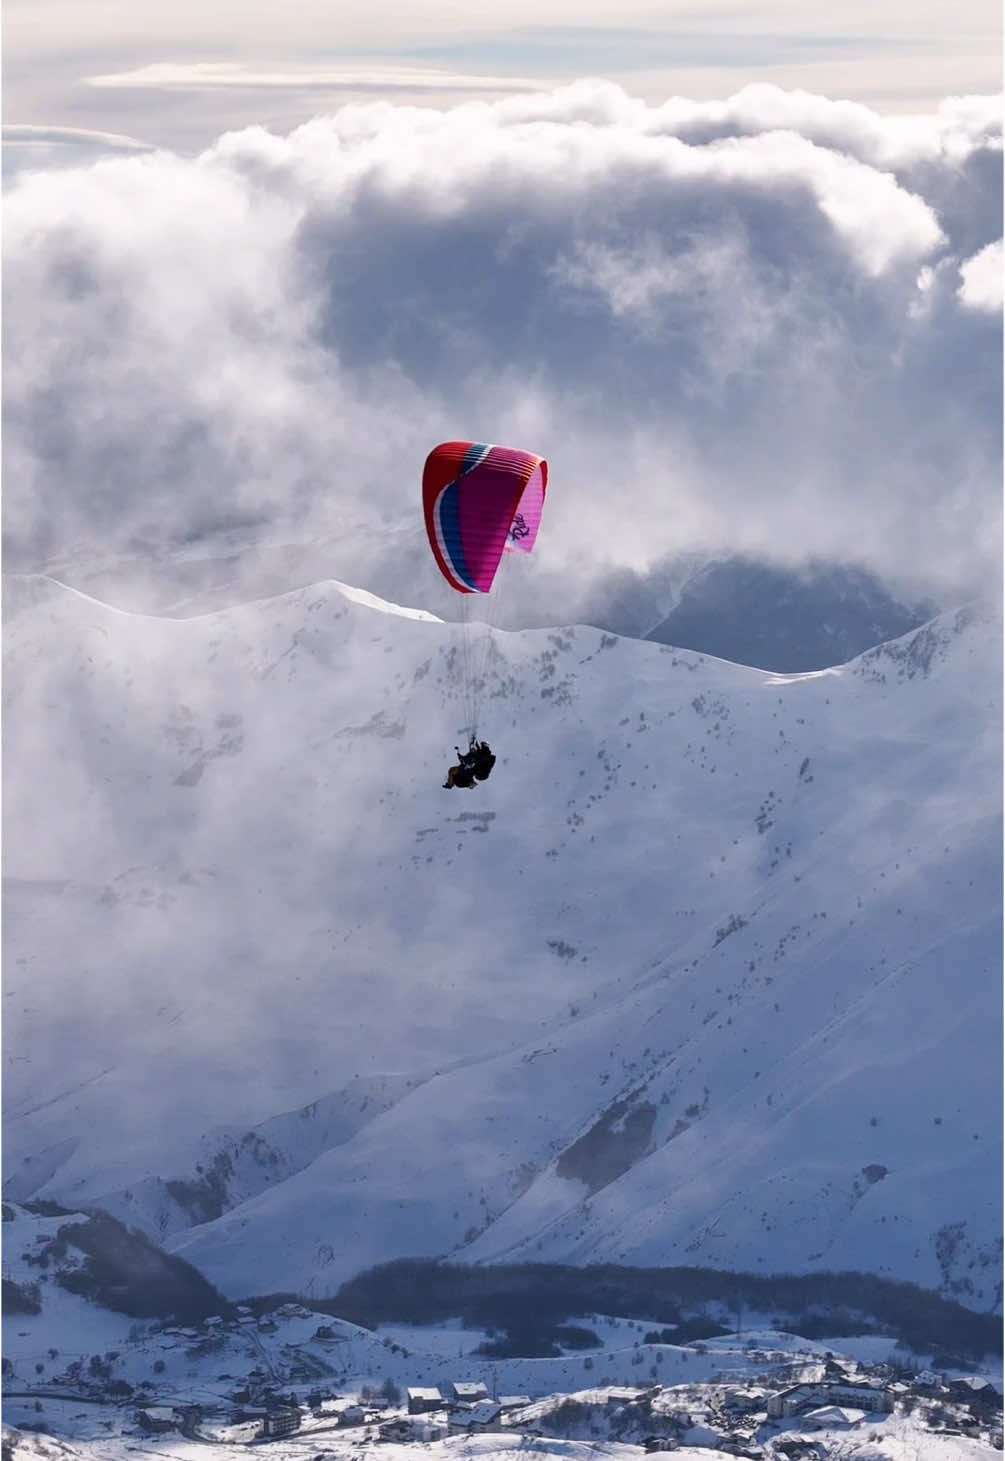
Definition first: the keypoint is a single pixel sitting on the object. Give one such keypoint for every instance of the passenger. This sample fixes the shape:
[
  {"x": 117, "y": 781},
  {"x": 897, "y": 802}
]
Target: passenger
[{"x": 460, "y": 775}]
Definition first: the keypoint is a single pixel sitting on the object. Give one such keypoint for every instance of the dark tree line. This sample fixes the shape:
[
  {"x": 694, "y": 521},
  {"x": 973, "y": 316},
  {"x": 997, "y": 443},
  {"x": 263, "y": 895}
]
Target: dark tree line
[
  {"x": 510, "y": 1296},
  {"x": 125, "y": 1271}
]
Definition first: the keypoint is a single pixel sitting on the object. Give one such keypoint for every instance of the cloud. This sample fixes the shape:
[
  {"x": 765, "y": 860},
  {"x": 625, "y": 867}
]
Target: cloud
[
  {"x": 982, "y": 279},
  {"x": 30, "y": 148},
  {"x": 736, "y": 326},
  {"x": 26, "y": 134},
  {"x": 199, "y": 75}
]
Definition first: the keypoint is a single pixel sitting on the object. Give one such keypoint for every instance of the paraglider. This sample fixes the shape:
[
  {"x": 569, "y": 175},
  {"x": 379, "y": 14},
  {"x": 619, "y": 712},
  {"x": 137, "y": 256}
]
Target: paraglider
[
  {"x": 474, "y": 764},
  {"x": 479, "y": 502}
]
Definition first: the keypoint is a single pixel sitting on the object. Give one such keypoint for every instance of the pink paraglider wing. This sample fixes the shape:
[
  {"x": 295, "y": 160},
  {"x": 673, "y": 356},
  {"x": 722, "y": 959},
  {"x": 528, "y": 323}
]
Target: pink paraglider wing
[
  {"x": 527, "y": 518},
  {"x": 478, "y": 500}
]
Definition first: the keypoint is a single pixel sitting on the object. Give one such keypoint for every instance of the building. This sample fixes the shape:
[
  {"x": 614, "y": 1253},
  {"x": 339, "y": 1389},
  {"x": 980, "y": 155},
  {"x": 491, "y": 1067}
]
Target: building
[
  {"x": 739, "y": 1401},
  {"x": 793, "y": 1399},
  {"x": 800, "y": 1448},
  {"x": 471, "y": 1419},
  {"x": 742, "y": 1441},
  {"x": 975, "y": 1391},
  {"x": 280, "y": 1422},
  {"x": 796, "y": 1399},
  {"x": 468, "y": 1392},
  {"x": 157, "y": 1418},
  {"x": 830, "y": 1416},
  {"x": 867, "y": 1397},
  {"x": 424, "y": 1398},
  {"x": 421, "y": 1428},
  {"x": 401, "y": 1428}
]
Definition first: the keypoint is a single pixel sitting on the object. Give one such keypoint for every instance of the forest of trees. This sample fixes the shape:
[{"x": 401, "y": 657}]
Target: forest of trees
[{"x": 535, "y": 1299}]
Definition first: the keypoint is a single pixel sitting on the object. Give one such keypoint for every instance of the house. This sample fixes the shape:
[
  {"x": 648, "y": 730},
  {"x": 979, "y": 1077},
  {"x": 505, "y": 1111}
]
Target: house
[
  {"x": 850, "y": 1392},
  {"x": 742, "y": 1441},
  {"x": 423, "y": 1398},
  {"x": 796, "y": 1399},
  {"x": 422, "y": 1428},
  {"x": 745, "y": 1401},
  {"x": 975, "y": 1391},
  {"x": 401, "y": 1428},
  {"x": 474, "y": 1418},
  {"x": 156, "y": 1418},
  {"x": 800, "y": 1448},
  {"x": 468, "y": 1392},
  {"x": 793, "y": 1399},
  {"x": 280, "y": 1422}
]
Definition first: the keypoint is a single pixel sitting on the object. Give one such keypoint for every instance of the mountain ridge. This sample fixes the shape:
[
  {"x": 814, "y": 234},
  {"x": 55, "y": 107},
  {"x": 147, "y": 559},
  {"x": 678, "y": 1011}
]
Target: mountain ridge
[{"x": 671, "y": 853}]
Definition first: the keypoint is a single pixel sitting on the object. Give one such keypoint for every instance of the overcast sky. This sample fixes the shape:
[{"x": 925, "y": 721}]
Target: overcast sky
[
  {"x": 736, "y": 271},
  {"x": 178, "y": 74}
]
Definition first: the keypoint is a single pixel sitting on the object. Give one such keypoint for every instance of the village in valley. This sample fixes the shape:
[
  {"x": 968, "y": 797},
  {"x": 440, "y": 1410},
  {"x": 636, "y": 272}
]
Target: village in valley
[{"x": 290, "y": 1376}]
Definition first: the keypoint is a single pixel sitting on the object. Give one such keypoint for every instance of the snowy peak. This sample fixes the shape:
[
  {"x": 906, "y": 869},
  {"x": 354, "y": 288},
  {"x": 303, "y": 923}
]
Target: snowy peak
[{"x": 704, "y": 973}]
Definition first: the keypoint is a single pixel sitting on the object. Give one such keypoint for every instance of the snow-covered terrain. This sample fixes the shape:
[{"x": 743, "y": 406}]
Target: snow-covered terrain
[
  {"x": 81, "y": 1381},
  {"x": 891, "y": 1439},
  {"x": 709, "y": 971}
]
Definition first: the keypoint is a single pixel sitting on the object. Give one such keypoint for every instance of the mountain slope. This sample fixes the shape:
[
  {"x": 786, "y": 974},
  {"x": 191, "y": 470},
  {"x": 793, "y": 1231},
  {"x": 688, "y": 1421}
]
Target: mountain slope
[
  {"x": 708, "y": 969},
  {"x": 758, "y": 614}
]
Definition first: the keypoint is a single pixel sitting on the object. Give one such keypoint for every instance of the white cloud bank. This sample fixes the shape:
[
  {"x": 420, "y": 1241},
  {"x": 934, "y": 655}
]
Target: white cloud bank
[
  {"x": 200, "y": 75},
  {"x": 731, "y": 326}
]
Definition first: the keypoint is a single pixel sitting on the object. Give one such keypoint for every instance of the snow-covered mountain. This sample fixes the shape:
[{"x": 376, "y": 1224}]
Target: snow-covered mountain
[
  {"x": 758, "y": 614},
  {"x": 708, "y": 972}
]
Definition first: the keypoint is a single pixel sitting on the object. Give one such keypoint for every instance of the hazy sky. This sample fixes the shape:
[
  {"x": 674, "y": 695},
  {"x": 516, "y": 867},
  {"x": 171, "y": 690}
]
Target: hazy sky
[{"x": 178, "y": 74}]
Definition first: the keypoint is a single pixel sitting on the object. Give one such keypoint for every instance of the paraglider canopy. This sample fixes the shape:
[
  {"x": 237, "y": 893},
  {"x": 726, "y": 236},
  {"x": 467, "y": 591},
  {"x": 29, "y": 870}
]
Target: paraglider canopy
[{"x": 479, "y": 501}]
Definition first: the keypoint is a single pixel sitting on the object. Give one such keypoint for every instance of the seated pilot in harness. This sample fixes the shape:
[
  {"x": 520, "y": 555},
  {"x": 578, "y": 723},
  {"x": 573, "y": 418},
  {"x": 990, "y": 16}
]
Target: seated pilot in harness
[{"x": 474, "y": 764}]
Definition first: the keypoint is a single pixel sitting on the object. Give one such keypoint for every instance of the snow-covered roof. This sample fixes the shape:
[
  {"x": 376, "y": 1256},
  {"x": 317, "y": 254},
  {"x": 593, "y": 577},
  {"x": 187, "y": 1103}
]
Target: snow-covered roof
[
  {"x": 977, "y": 1383},
  {"x": 480, "y": 1414},
  {"x": 827, "y": 1415}
]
